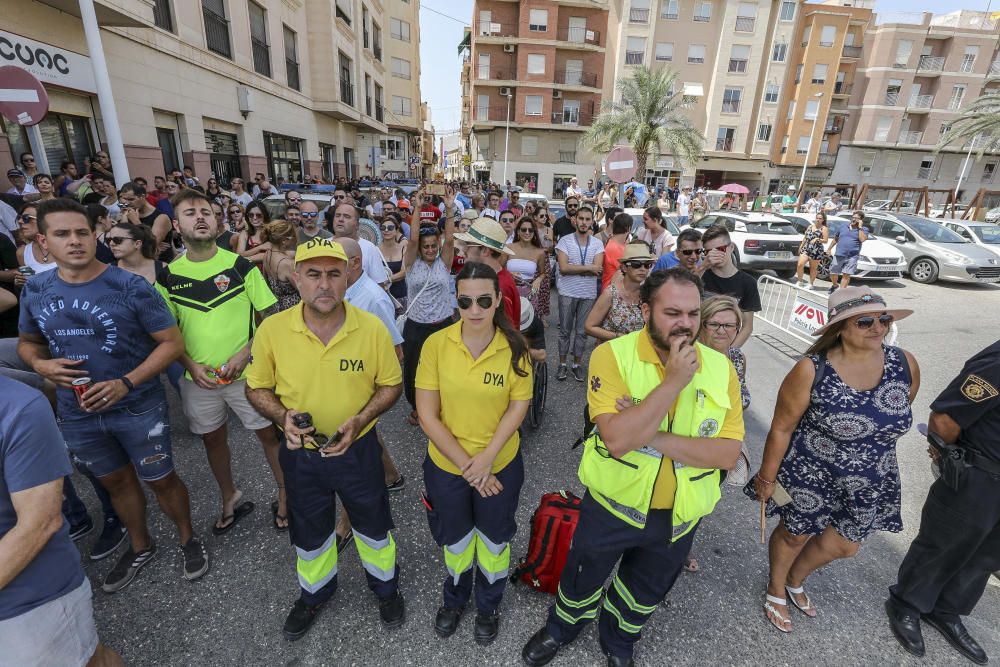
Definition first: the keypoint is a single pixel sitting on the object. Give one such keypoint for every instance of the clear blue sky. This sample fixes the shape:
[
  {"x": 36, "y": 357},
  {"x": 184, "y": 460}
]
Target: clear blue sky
[{"x": 441, "y": 23}]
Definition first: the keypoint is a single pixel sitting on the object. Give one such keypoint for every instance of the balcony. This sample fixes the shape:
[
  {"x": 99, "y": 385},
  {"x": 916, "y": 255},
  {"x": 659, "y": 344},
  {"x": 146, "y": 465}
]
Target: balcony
[
  {"x": 572, "y": 117},
  {"x": 579, "y": 36},
  {"x": 638, "y": 15},
  {"x": 826, "y": 160},
  {"x": 920, "y": 102},
  {"x": 634, "y": 57},
  {"x": 891, "y": 99},
  {"x": 955, "y": 104},
  {"x": 841, "y": 88},
  {"x": 495, "y": 74},
  {"x": 492, "y": 114},
  {"x": 491, "y": 29},
  {"x": 745, "y": 23},
  {"x": 910, "y": 138},
  {"x": 724, "y": 145},
  {"x": 576, "y": 78},
  {"x": 930, "y": 64},
  {"x": 567, "y": 157},
  {"x": 700, "y": 18},
  {"x": 994, "y": 70},
  {"x": 833, "y": 128},
  {"x": 852, "y": 51},
  {"x": 347, "y": 93},
  {"x": 924, "y": 172}
]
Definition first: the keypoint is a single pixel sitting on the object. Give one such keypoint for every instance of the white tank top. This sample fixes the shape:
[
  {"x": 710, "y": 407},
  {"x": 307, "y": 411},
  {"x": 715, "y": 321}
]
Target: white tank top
[
  {"x": 525, "y": 268},
  {"x": 37, "y": 266}
]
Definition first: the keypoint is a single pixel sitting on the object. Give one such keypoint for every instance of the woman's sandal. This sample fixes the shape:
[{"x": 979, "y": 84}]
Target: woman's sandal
[
  {"x": 808, "y": 609},
  {"x": 412, "y": 419},
  {"x": 771, "y": 613},
  {"x": 283, "y": 518},
  {"x": 691, "y": 565}
]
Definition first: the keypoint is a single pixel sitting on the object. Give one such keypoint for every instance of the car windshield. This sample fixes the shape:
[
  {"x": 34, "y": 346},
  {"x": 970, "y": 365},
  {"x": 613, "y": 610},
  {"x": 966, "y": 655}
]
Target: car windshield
[
  {"x": 988, "y": 233},
  {"x": 931, "y": 231},
  {"x": 777, "y": 227}
]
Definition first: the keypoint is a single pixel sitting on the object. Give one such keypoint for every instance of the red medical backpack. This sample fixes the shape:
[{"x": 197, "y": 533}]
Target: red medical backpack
[{"x": 552, "y": 528}]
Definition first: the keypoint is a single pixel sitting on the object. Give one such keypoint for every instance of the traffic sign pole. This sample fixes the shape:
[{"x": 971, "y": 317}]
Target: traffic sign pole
[{"x": 38, "y": 149}]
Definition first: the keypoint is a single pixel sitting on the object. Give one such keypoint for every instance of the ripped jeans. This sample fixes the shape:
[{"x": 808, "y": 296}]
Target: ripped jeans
[{"x": 138, "y": 434}]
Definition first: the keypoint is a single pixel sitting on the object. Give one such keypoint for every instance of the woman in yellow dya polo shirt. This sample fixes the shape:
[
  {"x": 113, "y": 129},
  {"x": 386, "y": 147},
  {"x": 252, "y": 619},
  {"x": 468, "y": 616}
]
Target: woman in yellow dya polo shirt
[{"x": 473, "y": 386}]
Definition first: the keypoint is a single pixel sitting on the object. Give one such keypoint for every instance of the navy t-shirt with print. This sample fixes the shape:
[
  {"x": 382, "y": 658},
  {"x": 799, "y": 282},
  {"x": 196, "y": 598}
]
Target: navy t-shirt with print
[
  {"x": 107, "y": 322},
  {"x": 32, "y": 453}
]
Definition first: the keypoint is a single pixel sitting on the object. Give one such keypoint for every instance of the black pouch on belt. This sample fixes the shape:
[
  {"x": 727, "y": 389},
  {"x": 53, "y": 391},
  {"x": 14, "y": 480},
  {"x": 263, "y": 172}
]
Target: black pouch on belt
[{"x": 951, "y": 461}]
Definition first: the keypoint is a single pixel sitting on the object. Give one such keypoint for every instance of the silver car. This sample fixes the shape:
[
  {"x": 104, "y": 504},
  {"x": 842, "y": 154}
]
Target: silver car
[
  {"x": 985, "y": 234},
  {"x": 934, "y": 252}
]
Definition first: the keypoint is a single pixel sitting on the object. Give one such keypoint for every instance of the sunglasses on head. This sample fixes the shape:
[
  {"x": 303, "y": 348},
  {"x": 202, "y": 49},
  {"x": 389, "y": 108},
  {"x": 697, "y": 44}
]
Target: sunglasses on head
[
  {"x": 639, "y": 264},
  {"x": 465, "y": 302},
  {"x": 117, "y": 240},
  {"x": 687, "y": 252},
  {"x": 428, "y": 231},
  {"x": 867, "y": 321}
]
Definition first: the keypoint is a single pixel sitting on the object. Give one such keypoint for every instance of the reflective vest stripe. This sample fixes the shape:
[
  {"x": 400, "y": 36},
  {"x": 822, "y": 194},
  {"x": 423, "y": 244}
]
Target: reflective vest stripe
[{"x": 377, "y": 556}]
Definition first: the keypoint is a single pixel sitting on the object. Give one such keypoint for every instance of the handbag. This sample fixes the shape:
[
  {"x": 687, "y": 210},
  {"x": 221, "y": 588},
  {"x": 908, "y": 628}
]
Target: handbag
[{"x": 401, "y": 320}]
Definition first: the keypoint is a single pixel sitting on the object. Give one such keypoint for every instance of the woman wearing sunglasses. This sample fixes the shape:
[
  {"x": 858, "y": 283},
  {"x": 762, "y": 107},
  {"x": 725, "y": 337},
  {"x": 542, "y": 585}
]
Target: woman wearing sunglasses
[
  {"x": 617, "y": 310},
  {"x": 212, "y": 189},
  {"x": 393, "y": 247},
  {"x": 236, "y": 218},
  {"x": 473, "y": 471},
  {"x": 251, "y": 244},
  {"x": 529, "y": 265},
  {"x": 135, "y": 250},
  {"x": 832, "y": 447},
  {"x": 31, "y": 254}
]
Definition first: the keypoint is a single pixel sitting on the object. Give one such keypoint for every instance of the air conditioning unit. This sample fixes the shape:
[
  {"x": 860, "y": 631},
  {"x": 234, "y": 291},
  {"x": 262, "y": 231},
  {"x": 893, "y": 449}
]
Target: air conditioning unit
[
  {"x": 505, "y": 92},
  {"x": 557, "y": 94},
  {"x": 509, "y": 48}
]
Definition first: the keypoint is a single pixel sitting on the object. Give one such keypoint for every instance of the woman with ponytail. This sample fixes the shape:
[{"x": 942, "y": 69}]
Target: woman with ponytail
[{"x": 473, "y": 387}]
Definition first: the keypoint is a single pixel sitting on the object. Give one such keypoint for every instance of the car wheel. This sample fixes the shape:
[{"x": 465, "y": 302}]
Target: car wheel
[
  {"x": 823, "y": 272},
  {"x": 924, "y": 271}
]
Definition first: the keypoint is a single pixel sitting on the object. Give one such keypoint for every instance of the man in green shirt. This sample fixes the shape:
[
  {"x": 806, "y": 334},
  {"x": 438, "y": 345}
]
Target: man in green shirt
[
  {"x": 789, "y": 203},
  {"x": 217, "y": 298}
]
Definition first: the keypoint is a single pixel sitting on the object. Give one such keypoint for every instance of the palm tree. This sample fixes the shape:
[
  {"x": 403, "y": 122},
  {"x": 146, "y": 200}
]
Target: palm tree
[
  {"x": 980, "y": 121},
  {"x": 649, "y": 115}
]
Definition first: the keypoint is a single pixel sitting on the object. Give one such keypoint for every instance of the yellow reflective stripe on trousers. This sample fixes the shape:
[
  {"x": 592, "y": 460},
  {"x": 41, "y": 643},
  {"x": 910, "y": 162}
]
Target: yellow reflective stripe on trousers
[
  {"x": 493, "y": 558},
  {"x": 316, "y": 567},
  {"x": 377, "y": 556},
  {"x": 573, "y": 620},
  {"x": 583, "y": 603},
  {"x": 458, "y": 557},
  {"x": 629, "y": 600},
  {"x": 562, "y": 602},
  {"x": 622, "y": 623}
]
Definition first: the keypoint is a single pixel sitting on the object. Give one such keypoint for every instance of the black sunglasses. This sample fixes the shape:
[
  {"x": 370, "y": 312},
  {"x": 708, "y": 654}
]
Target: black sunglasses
[
  {"x": 687, "y": 252},
  {"x": 117, "y": 240},
  {"x": 27, "y": 217},
  {"x": 866, "y": 322},
  {"x": 388, "y": 228},
  {"x": 636, "y": 264},
  {"x": 309, "y": 214},
  {"x": 526, "y": 230},
  {"x": 485, "y": 301}
]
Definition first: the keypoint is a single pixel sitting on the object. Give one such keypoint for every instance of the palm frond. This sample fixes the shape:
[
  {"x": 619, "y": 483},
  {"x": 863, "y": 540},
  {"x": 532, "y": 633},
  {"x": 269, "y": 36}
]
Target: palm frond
[{"x": 979, "y": 122}]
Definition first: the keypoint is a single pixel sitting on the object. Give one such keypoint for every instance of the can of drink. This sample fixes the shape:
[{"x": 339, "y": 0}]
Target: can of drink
[
  {"x": 218, "y": 375},
  {"x": 80, "y": 387},
  {"x": 26, "y": 271}
]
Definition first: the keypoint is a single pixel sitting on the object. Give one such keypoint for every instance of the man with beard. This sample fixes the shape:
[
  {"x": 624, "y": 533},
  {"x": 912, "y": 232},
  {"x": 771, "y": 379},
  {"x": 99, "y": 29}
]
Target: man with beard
[
  {"x": 345, "y": 220},
  {"x": 684, "y": 424}
]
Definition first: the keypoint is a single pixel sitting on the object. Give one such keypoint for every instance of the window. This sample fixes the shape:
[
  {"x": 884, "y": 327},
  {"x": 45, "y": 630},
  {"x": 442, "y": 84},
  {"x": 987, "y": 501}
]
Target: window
[
  {"x": 258, "y": 40},
  {"x": 957, "y": 95},
  {"x": 483, "y": 67},
  {"x": 827, "y": 35},
  {"x": 216, "y": 27},
  {"x": 903, "y": 50},
  {"x": 635, "y": 50},
  {"x": 344, "y": 12},
  {"x": 391, "y": 149},
  {"x": 376, "y": 41},
  {"x": 346, "y": 80},
  {"x": 806, "y": 32},
  {"x": 791, "y": 110},
  {"x": 696, "y": 53},
  {"x": 784, "y": 145},
  {"x": 536, "y": 63},
  {"x": 350, "y": 166},
  {"x": 746, "y": 16},
  {"x": 739, "y": 54},
  {"x": 368, "y": 95},
  {"x": 771, "y": 92},
  {"x": 538, "y": 20},
  {"x": 779, "y": 53},
  {"x": 703, "y": 11},
  {"x": 802, "y": 148},
  {"x": 167, "y": 140},
  {"x": 787, "y": 11},
  {"x": 284, "y": 157},
  {"x": 399, "y": 29},
  {"x": 891, "y": 165},
  {"x": 401, "y": 106},
  {"x": 665, "y": 51},
  {"x": 567, "y": 151},
  {"x": 812, "y": 109},
  {"x": 819, "y": 73},
  {"x": 329, "y": 155},
  {"x": 401, "y": 68},
  {"x": 638, "y": 11},
  {"x": 529, "y": 145},
  {"x": 532, "y": 105},
  {"x": 989, "y": 169},
  {"x": 882, "y": 127},
  {"x": 969, "y": 59},
  {"x": 161, "y": 15},
  {"x": 731, "y": 100},
  {"x": 670, "y": 10},
  {"x": 365, "y": 36},
  {"x": 482, "y": 107},
  {"x": 925, "y": 168},
  {"x": 798, "y": 73},
  {"x": 867, "y": 162},
  {"x": 379, "y": 114},
  {"x": 574, "y": 73},
  {"x": 291, "y": 58},
  {"x": 764, "y": 132},
  {"x": 485, "y": 19},
  {"x": 892, "y": 92},
  {"x": 724, "y": 139}
]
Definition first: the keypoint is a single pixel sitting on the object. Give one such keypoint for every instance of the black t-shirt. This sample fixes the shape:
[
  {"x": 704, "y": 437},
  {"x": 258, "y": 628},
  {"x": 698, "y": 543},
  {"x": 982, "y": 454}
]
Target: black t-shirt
[
  {"x": 741, "y": 286},
  {"x": 8, "y": 262},
  {"x": 563, "y": 227},
  {"x": 973, "y": 401}
]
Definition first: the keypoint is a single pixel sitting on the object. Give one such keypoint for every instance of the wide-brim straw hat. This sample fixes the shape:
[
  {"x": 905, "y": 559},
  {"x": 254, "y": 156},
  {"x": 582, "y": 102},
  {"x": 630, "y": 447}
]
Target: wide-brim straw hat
[
  {"x": 635, "y": 251},
  {"x": 488, "y": 233},
  {"x": 849, "y": 302}
]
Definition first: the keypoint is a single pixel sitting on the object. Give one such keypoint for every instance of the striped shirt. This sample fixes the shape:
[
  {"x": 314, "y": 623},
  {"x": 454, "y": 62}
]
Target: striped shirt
[{"x": 580, "y": 286}]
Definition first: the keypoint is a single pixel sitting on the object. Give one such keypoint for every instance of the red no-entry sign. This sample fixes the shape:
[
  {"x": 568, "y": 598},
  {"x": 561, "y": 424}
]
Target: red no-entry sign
[
  {"x": 620, "y": 164},
  {"x": 23, "y": 99}
]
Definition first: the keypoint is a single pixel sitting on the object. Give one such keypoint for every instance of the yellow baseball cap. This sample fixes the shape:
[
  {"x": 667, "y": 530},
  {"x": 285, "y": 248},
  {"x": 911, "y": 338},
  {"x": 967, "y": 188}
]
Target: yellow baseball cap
[{"x": 318, "y": 247}]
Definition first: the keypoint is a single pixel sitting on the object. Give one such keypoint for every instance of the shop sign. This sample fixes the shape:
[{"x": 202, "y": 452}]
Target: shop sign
[{"x": 49, "y": 64}]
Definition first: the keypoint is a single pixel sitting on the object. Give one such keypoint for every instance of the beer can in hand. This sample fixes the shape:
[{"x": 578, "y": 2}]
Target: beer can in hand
[
  {"x": 218, "y": 375},
  {"x": 80, "y": 387}
]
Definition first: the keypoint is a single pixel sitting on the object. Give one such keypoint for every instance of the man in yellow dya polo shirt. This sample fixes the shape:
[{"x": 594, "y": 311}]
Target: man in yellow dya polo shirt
[
  {"x": 651, "y": 470},
  {"x": 336, "y": 362}
]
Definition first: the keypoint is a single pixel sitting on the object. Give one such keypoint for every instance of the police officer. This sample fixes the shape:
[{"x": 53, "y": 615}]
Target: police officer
[
  {"x": 336, "y": 362},
  {"x": 949, "y": 563},
  {"x": 651, "y": 470}
]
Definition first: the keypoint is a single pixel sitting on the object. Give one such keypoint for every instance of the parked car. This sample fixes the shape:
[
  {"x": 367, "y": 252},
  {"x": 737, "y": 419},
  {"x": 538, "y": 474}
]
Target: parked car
[
  {"x": 886, "y": 205},
  {"x": 934, "y": 252},
  {"x": 762, "y": 240},
  {"x": 275, "y": 204},
  {"x": 953, "y": 212},
  {"x": 993, "y": 215},
  {"x": 985, "y": 234},
  {"x": 878, "y": 260},
  {"x": 637, "y": 223}
]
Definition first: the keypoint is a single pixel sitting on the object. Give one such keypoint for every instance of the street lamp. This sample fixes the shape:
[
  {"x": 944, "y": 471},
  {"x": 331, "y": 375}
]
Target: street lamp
[
  {"x": 506, "y": 141},
  {"x": 812, "y": 140}
]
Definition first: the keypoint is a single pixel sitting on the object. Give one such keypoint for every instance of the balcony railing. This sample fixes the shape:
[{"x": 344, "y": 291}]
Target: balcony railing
[
  {"x": 572, "y": 77},
  {"x": 347, "y": 93},
  {"x": 852, "y": 51},
  {"x": 995, "y": 69},
  {"x": 638, "y": 15},
  {"x": 980, "y": 140},
  {"x": 493, "y": 114},
  {"x": 492, "y": 29},
  {"x": 379, "y": 112},
  {"x": 930, "y": 64},
  {"x": 745, "y": 23},
  {"x": 669, "y": 13},
  {"x": 496, "y": 74},
  {"x": 633, "y": 57},
  {"x": 841, "y": 88},
  {"x": 701, "y": 18},
  {"x": 579, "y": 36},
  {"x": 571, "y": 117},
  {"x": 910, "y": 138},
  {"x": 924, "y": 172},
  {"x": 891, "y": 99},
  {"x": 833, "y": 128},
  {"x": 725, "y": 145},
  {"x": 826, "y": 160},
  {"x": 568, "y": 157},
  {"x": 921, "y": 101}
]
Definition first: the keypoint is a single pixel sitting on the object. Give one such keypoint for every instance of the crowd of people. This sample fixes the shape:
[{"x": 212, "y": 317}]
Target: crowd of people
[{"x": 112, "y": 288}]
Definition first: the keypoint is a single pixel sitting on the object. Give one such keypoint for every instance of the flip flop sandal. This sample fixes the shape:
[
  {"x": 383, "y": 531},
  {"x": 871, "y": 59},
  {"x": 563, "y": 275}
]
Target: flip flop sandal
[
  {"x": 278, "y": 517},
  {"x": 691, "y": 565},
  {"x": 344, "y": 541},
  {"x": 808, "y": 609},
  {"x": 786, "y": 623},
  {"x": 412, "y": 419},
  {"x": 239, "y": 512}
]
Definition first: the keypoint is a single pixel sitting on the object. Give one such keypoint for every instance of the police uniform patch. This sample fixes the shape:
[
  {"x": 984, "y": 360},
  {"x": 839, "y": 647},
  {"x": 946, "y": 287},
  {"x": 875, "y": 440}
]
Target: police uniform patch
[
  {"x": 708, "y": 428},
  {"x": 977, "y": 390}
]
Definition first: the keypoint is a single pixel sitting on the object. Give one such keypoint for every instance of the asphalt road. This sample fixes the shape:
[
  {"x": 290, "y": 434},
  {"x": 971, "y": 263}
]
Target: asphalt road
[{"x": 233, "y": 616}]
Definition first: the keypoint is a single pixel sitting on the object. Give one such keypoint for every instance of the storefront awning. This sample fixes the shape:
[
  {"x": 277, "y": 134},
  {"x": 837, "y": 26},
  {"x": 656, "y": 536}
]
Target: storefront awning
[{"x": 465, "y": 43}]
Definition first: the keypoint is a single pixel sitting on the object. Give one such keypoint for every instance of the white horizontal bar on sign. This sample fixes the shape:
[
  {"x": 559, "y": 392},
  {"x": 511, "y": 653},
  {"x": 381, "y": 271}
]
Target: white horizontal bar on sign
[
  {"x": 622, "y": 164},
  {"x": 18, "y": 95}
]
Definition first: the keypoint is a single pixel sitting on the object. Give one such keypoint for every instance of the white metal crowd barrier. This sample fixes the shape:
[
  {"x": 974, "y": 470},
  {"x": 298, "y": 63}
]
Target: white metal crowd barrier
[{"x": 797, "y": 311}]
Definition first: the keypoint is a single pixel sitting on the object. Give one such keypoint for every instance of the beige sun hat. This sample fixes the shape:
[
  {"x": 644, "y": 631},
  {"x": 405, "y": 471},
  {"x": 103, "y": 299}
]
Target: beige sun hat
[
  {"x": 849, "y": 302},
  {"x": 488, "y": 233},
  {"x": 636, "y": 251}
]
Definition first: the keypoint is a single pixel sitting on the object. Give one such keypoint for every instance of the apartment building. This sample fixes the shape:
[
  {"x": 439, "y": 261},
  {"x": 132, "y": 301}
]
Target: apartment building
[
  {"x": 230, "y": 87},
  {"x": 919, "y": 71},
  {"x": 731, "y": 58},
  {"x": 537, "y": 68}
]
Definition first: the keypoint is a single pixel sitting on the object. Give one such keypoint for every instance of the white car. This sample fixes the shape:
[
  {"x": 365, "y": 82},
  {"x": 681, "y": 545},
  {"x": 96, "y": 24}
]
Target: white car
[
  {"x": 878, "y": 259},
  {"x": 886, "y": 205},
  {"x": 985, "y": 234},
  {"x": 762, "y": 240},
  {"x": 953, "y": 212},
  {"x": 993, "y": 215}
]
